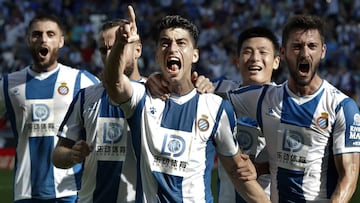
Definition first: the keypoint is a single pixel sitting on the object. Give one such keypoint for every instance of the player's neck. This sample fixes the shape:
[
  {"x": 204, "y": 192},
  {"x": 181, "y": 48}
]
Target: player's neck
[{"x": 40, "y": 69}]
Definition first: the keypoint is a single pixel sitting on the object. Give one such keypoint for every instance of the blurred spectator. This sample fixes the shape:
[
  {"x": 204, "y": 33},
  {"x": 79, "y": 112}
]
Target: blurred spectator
[{"x": 220, "y": 22}]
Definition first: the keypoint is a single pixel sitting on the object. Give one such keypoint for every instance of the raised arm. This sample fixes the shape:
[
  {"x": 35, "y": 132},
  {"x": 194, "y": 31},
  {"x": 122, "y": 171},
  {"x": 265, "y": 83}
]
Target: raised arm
[{"x": 117, "y": 84}]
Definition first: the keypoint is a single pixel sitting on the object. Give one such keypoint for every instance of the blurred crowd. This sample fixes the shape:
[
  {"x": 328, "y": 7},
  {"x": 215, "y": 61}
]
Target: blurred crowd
[{"x": 220, "y": 22}]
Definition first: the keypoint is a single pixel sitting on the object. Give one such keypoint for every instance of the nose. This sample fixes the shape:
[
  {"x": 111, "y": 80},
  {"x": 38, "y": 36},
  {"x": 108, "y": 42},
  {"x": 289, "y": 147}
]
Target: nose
[
  {"x": 43, "y": 37},
  {"x": 255, "y": 56},
  {"x": 173, "y": 47},
  {"x": 304, "y": 52}
]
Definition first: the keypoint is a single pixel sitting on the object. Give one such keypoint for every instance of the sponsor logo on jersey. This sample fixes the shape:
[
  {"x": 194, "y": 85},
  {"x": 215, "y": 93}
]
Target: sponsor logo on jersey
[
  {"x": 63, "y": 89},
  {"x": 113, "y": 132},
  {"x": 355, "y": 129},
  {"x": 323, "y": 120},
  {"x": 173, "y": 146},
  {"x": 203, "y": 123},
  {"x": 292, "y": 141},
  {"x": 40, "y": 112}
]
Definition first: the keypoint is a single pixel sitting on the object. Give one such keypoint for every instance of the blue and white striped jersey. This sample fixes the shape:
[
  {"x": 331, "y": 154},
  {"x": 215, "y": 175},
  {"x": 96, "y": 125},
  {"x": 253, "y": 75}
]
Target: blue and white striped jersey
[
  {"x": 223, "y": 85},
  {"x": 302, "y": 135},
  {"x": 109, "y": 172},
  {"x": 36, "y": 104},
  {"x": 251, "y": 142},
  {"x": 175, "y": 142}
]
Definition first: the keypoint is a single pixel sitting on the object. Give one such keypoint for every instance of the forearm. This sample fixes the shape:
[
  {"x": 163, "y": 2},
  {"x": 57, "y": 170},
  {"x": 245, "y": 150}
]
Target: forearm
[
  {"x": 251, "y": 191},
  {"x": 116, "y": 83},
  {"x": 348, "y": 170},
  {"x": 344, "y": 191},
  {"x": 248, "y": 187}
]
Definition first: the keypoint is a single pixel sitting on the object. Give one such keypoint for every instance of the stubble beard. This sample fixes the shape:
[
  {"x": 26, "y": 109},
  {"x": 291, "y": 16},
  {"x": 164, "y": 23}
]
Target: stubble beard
[{"x": 45, "y": 64}]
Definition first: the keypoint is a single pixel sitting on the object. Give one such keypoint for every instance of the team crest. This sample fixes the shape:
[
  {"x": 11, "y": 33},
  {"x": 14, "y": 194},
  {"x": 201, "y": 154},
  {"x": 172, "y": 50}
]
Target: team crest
[
  {"x": 63, "y": 89},
  {"x": 323, "y": 120},
  {"x": 203, "y": 123}
]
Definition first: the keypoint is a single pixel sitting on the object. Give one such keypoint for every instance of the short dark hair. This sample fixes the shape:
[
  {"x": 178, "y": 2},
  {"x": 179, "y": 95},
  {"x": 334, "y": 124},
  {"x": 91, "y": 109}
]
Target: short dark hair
[
  {"x": 45, "y": 17},
  {"x": 176, "y": 21},
  {"x": 303, "y": 22},
  {"x": 258, "y": 31},
  {"x": 112, "y": 23}
]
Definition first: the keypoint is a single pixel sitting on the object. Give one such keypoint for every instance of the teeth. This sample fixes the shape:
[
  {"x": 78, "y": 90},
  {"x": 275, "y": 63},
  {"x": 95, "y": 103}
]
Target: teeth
[
  {"x": 173, "y": 59},
  {"x": 255, "y": 68}
]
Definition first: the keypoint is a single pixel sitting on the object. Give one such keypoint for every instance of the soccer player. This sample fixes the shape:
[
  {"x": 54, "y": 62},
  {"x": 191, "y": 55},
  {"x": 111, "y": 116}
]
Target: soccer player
[
  {"x": 176, "y": 138},
  {"x": 104, "y": 147},
  {"x": 258, "y": 55},
  {"x": 311, "y": 128},
  {"x": 36, "y": 99}
]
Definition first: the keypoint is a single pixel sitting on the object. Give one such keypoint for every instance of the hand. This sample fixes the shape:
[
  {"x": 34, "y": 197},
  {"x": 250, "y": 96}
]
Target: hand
[
  {"x": 202, "y": 83},
  {"x": 157, "y": 86},
  {"x": 127, "y": 33},
  {"x": 245, "y": 169},
  {"x": 80, "y": 151}
]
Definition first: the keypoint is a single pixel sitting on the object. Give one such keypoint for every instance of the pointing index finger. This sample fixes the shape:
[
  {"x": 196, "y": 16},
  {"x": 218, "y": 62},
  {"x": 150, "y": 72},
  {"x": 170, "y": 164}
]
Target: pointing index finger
[{"x": 132, "y": 17}]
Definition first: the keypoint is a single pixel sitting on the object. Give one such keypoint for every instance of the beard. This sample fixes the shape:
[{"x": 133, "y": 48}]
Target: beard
[
  {"x": 44, "y": 64},
  {"x": 304, "y": 81},
  {"x": 129, "y": 69}
]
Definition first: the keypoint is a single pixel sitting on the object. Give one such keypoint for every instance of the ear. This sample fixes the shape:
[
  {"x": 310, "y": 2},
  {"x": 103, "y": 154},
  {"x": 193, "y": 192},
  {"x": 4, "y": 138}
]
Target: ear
[
  {"x": 323, "y": 50},
  {"x": 276, "y": 62},
  {"x": 62, "y": 41},
  {"x": 138, "y": 50},
  {"x": 195, "y": 56},
  {"x": 282, "y": 53}
]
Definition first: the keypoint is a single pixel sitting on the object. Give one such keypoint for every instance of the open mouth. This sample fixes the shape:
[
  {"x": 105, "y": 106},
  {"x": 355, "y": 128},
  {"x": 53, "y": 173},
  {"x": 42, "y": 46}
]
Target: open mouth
[
  {"x": 304, "y": 67},
  {"x": 254, "y": 68},
  {"x": 43, "y": 51},
  {"x": 173, "y": 64}
]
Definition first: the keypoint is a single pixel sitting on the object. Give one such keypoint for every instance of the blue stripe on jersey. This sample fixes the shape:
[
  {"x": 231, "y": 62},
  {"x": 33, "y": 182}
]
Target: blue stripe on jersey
[
  {"x": 259, "y": 108},
  {"x": 210, "y": 156},
  {"x": 245, "y": 88},
  {"x": 10, "y": 111},
  {"x": 71, "y": 109},
  {"x": 227, "y": 107},
  {"x": 134, "y": 123},
  {"x": 218, "y": 81},
  {"x": 107, "y": 187},
  {"x": 349, "y": 107},
  {"x": 108, "y": 110},
  {"x": 45, "y": 86},
  {"x": 91, "y": 77},
  {"x": 174, "y": 189},
  {"x": 77, "y": 168},
  {"x": 331, "y": 175},
  {"x": 290, "y": 181},
  {"x": 41, "y": 167},
  {"x": 177, "y": 116},
  {"x": 247, "y": 121},
  {"x": 299, "y": 115}
]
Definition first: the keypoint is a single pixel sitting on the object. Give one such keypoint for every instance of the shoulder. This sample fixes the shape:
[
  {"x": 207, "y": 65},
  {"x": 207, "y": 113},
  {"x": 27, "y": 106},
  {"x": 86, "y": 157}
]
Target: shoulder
[
  {"x": 97, "y": 89},
  {"x": 214, "y": 101},
  {"x": 18, "y": 73}
]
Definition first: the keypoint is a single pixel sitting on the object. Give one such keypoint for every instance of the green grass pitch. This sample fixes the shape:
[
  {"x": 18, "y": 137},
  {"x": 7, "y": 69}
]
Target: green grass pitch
[{"x": 6, "y": 182}]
